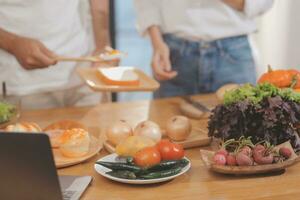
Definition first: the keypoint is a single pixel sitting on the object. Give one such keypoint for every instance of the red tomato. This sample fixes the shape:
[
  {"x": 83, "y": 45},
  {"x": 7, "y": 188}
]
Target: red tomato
[
  {"x": 147, "y": 157},
  {"x": 169, "y": 150}
]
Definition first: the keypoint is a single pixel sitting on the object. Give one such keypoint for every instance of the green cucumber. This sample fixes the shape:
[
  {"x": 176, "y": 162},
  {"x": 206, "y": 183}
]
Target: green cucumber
[
  {"x": 161, "y": 174},
  {"x": 120, "y": 166},
  {"x": 168, "y": 164},
  {"x": 122, "y": 174}
]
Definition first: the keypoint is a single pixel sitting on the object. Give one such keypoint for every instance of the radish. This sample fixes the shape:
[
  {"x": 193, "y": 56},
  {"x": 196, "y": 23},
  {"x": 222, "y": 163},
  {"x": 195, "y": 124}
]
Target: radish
[
  {"x": 243, "y": 159},
  {"x": 246, "y": 150},
  {"x": 219, "y": 159},
  {"x": 231, "y": 160},
  {"x": 223, "y": 152},
  {"x": 285, "y": 152},
  {"x": 262, "y": 159},
  {"x": 261, "y": 156},
  {"x": 259, "y": 147}
]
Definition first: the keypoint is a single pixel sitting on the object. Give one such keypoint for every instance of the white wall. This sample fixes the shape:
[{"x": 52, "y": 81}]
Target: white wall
[{"x": 278, "y": 39}]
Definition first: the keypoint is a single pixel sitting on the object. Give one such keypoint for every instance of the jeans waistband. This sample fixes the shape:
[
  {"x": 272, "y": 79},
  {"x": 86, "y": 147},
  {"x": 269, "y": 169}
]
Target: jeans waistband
[{"x": 219, "y": 43}]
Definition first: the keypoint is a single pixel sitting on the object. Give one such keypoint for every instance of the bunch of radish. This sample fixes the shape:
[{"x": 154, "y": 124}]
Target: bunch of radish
[{"x": 243, "y": 152}]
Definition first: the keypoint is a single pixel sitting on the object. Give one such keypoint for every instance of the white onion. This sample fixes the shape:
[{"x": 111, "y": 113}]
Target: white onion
[
  {"x": 148, "y": 129},
  {"x": 118, "y": 132},
  {"x": 178, "y": 128}
]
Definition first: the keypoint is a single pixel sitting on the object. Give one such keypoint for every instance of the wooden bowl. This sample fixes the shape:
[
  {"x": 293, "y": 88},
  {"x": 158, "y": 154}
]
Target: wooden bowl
[{"x": 207, "y": 156}]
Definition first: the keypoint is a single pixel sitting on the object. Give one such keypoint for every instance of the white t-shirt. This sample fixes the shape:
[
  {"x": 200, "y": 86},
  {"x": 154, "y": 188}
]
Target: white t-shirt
[
  {"x": 58, "y": 24},
  {"x": 199, "y": 19}
]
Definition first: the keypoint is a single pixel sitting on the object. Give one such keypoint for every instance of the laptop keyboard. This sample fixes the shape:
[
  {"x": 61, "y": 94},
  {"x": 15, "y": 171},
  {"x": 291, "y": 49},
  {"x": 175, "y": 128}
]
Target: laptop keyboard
[{"x": 68, "y": 194}]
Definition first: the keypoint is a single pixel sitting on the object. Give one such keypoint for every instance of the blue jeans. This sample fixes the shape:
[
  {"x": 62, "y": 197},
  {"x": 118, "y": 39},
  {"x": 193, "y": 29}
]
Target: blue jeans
[{"x": 203, "y": 67}]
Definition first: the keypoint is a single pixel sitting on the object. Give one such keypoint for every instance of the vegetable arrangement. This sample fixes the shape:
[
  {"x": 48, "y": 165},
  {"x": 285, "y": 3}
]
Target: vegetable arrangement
[
  {"x": 263, "y": 112},
  {"x": 243, "y": 152},
  {"x": 159, "y": 161},
  {"x": 7, "y": 111},
  {"x": 128, "y": 140}
]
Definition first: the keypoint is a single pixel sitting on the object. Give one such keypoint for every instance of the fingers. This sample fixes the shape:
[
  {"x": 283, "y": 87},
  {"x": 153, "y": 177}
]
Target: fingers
[
  {"x": 162, "y": 68},
  {"x": 166, "y": 63},
  {"x": 41, "y": 57},
  {"x": 51, "y": 56},
  {"x": 44, "y": 60},
  {"x": 160, "y": 72}
]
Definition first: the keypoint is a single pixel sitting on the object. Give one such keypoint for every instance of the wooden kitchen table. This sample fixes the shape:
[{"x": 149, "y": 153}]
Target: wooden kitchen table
[{"x": 197, "y": 183}]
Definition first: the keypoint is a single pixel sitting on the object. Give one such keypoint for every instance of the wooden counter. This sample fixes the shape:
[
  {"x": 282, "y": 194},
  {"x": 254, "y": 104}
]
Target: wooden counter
[{"x": 197, "y": 183}]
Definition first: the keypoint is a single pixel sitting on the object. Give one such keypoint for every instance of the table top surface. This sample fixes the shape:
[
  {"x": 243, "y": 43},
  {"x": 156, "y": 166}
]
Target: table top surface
[{"x": 197, "y": 183}]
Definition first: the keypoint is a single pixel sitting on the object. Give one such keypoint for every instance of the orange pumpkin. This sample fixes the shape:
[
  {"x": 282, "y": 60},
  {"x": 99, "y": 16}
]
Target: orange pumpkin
[{"x": 281, "y": 78}]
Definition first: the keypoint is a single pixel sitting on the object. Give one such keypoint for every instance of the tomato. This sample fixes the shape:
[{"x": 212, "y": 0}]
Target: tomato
[
  {"x": 169, "y": 150},
  {"x": 147, "y": 157}
]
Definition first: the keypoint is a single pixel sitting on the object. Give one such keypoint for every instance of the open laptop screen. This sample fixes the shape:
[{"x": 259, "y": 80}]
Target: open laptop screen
[{"x": 27, "y": 168}]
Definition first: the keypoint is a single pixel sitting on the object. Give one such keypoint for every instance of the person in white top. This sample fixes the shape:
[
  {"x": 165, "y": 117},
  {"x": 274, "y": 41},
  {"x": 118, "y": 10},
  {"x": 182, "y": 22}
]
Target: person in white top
[
  {"x": 200, "y": 45},
  {"x": 34, "y": 32}
]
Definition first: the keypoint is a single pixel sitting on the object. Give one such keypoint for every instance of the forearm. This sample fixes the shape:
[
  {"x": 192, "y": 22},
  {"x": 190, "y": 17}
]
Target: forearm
[
  {"x": 236, "y": 4},
  {"x": 6, "y": 39},
  {"x": 100, "y": 21},
  {"x": 155, "y": 35}
]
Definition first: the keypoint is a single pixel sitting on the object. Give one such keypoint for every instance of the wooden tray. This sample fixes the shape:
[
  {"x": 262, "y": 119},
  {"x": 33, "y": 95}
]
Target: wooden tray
[
  {"x": 197, "y": 138},
  {"x": 206, "y": 157},
  {"x": 90, "y": 77},
  {"x": 62, "y": 161}
]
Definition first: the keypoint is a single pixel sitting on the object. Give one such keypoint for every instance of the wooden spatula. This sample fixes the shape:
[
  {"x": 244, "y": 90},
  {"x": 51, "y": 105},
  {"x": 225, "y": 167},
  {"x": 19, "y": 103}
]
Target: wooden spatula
[{"x": 79, "y": 59}]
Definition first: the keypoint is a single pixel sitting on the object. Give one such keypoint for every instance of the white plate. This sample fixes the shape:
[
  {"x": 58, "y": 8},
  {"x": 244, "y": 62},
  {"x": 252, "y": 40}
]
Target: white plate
[{"x": 113, "y": 158}]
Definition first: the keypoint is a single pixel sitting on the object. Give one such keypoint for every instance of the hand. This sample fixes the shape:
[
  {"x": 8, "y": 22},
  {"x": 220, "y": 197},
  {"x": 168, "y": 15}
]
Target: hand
[
  {"x": 161, "y": 64},
  {"x": 31, "y": 54},
  {"x": 110, "y": 63}
]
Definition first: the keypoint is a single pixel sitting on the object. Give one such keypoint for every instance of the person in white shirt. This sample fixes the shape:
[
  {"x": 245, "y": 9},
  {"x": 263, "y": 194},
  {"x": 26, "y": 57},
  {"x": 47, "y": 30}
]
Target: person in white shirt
[
  {"x": 200, "y": 45},
  {"x": 34, "y": 32}
]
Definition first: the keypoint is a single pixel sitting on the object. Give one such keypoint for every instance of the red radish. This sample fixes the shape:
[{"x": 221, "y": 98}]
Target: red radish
[
  {"x": 223, "y": 152},
  {"x": 285, "y": 152},
  {"x": 262, "y": 159},
  {"x": 259, "y": 147},
  {"x": 219, "y": 159},
  {"x": 231, "y": 160},
  {"x": 261, "y": 156},
  {"x": 258, "y": 152},
  {"x": 246, "y": 150},
  {"x": 243, "y": 159}
]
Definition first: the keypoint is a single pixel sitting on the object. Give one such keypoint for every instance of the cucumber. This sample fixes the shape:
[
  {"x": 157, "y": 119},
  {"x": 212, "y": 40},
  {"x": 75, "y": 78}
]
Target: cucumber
[
  {"x": 120, "y": 166},
  {"x": 122, "y": 174},
  {"x": 161, "y": 174},
  {"x": 168, "y": 164}
]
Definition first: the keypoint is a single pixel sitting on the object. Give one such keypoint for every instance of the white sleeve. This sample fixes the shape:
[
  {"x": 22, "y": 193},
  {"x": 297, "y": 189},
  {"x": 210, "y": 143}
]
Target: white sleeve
[
  {"x": 147, "y": 13},
  {"x": 254, "y": 8}
]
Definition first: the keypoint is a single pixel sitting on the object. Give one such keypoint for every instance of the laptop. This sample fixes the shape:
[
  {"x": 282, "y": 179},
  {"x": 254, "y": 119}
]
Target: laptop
[{"x": 28, "y": 172}]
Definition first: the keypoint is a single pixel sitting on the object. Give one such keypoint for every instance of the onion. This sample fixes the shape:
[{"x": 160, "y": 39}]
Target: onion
[
  {"x": 118, "y": 132},
  {"x": 178, "y": 128},
  {"x": 148, "y": 129}
]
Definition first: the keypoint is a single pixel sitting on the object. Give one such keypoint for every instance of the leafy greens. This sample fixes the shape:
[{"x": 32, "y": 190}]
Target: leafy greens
[
  {"x": 7, "y": 111},
  {"x": 263, "y": 112}
]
